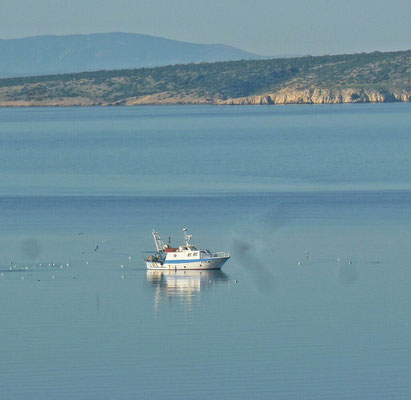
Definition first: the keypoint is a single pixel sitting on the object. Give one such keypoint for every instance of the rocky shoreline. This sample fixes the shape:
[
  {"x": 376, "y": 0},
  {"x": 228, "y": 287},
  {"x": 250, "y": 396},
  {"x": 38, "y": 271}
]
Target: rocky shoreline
[
  {"x": 322, "y": 96},
  {"x": 285, "y": 96},
  {"x": 307, "y": 96}
]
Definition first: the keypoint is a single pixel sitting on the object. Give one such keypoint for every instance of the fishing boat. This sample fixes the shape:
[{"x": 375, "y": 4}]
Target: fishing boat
[{"x": 183, "y": 257}]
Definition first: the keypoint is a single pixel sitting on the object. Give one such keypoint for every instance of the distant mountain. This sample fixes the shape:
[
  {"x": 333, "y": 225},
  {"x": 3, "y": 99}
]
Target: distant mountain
[{"x": 41, "y": 55}]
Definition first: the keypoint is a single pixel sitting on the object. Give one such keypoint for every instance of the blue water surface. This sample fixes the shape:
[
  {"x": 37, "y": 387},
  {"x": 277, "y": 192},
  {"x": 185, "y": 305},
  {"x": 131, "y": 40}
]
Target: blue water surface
[{"x": 313, "y": 202}]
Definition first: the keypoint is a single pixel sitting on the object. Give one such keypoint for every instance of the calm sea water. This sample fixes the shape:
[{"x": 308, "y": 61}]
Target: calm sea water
[{"x": 313, "y": 202}]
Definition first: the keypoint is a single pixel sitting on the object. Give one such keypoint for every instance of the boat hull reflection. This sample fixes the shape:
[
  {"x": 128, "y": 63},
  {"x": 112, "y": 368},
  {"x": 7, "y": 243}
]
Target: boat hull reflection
[{"x": 185, "y": 284}]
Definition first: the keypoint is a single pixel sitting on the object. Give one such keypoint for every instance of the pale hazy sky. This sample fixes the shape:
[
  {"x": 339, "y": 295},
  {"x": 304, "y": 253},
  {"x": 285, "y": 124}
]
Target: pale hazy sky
[{"x": 268, "y": 27}]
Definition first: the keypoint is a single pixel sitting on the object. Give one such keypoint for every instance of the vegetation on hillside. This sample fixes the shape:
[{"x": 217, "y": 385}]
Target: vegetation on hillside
[{"x": 220, "y": 80}]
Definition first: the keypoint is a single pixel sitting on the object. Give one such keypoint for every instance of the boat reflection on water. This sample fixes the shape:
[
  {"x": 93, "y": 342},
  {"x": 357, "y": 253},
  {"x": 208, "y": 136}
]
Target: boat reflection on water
[{"x": 184, "y": 284}]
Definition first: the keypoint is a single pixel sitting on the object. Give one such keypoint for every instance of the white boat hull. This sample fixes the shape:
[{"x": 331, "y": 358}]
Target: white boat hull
[{"x": 213, "y": 263}]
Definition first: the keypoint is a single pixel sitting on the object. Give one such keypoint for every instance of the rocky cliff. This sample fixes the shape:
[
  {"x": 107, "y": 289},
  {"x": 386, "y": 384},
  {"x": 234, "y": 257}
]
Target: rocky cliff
[{"x": 322, "y": 96}]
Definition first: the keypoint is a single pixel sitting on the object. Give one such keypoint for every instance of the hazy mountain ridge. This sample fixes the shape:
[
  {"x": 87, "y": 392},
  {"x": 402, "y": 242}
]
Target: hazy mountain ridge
[
  {"x": 42, "y": 55},
  {"x": 372, "y": 77}
]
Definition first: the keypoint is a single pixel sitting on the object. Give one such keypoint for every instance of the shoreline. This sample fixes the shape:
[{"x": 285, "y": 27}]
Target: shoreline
[{"x": 231, "y": 102}]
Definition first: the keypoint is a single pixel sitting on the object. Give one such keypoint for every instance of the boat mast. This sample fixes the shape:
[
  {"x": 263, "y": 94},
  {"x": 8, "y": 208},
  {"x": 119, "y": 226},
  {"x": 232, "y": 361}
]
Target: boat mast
[
  {"x": 160, "y": 245},
  {"x": 187, "y": 238}
]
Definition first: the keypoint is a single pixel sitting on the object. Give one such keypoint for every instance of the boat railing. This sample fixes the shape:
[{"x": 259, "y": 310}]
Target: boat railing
[{"x": 215, "y": 255}]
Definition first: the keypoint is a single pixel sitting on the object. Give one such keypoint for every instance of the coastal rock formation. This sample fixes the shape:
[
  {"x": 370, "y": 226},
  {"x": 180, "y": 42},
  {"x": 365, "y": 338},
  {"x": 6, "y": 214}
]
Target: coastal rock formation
[
  {"x": 321, "y": 96},
  {"x": 284, "y": 96}
]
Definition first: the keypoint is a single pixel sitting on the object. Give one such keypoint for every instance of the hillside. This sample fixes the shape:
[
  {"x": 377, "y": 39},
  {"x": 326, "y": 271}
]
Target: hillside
[
  {"x": 373, "y": 77},
  {"x": 41, "y": 55}
]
